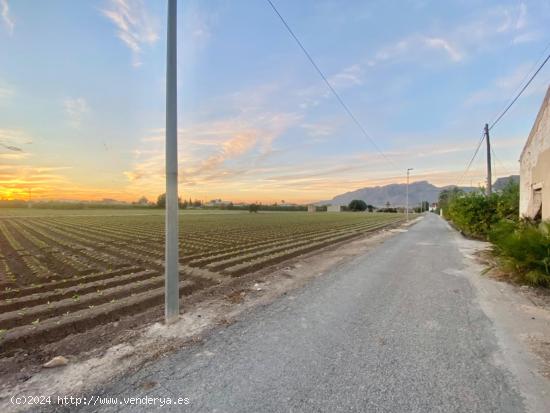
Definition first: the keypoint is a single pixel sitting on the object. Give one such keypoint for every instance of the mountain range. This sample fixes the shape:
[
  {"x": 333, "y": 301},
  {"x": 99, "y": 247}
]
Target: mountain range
[{"x": 395, "y": 194}]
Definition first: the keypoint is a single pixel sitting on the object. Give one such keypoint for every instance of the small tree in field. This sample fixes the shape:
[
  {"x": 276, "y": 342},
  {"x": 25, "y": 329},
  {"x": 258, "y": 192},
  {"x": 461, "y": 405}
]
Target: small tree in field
[
  {"x": 357, "y": 205},
  {"x": 253, "y": 208},
  {"x": 161, "y": 201}
]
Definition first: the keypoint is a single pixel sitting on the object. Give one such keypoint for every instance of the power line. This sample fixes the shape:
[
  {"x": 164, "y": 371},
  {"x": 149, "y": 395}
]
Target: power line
[
  {"x": 473, "y": 158},
  {"x": 342, "y": 103},
  {"x": 520, "y": 93},
  {"x": 501, "y": 164},
  {"x": 495, "y": 159},
  {"x": 532, "y": 68},
  {"x": 506, "y": 109},
  {"x": 517, "y": 97}
]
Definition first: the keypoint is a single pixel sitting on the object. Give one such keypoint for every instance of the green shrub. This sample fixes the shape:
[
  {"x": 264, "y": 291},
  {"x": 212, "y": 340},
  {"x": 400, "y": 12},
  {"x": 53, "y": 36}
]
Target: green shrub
[
  {"x": 507, "y": 202},
  {"x": 525, "y": 248},
  {"x": 522, "y": 246},
  {"x": 473, "y": 213}
]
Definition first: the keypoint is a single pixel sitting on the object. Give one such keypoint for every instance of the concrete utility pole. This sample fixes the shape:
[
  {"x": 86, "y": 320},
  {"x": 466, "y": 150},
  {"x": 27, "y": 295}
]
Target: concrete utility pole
[
  {"x": 489, "y": 172},
  {"x": 171, "y": 282},
  {"x": 408, "y": 170}
]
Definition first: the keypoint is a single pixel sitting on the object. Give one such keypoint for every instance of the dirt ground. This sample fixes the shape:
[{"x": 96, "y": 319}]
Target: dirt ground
[
  {"x": 539, "y": 307},
  {"x": 113, "y": 349}
]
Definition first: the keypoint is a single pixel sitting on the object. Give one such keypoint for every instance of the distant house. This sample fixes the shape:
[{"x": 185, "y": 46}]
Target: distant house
[
  {"x": 535, "y": 167},
  {"x": 433, "y": 206},
  {"x": 110, "y": 201},
  {"x": 334, "y": 208},
  {"x": 217, "y": 203},
  {"x": 311, "y": 208}
]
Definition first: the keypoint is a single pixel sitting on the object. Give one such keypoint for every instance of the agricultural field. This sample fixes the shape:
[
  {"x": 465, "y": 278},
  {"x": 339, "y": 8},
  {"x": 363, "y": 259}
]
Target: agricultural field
[{"x": 65, "y": 272}]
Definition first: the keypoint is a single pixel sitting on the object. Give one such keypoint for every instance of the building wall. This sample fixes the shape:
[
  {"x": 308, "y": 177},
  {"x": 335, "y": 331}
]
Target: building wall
[
  {"x": 535, "y": 166},
  {"x": 311, "y": 208},
  {"x": 535, "y": 187},
  {"x": 334, "y": 208}
]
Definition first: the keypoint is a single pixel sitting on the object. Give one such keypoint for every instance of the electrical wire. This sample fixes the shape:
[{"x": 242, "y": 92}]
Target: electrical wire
[
  {"x": 473, "y": 158},
  {"x": 501, "y": 164},
  {"x": 320, "y": 72},
  {"x": 519, "y": 94},
  {"x": 506, "y": 109},
  {"x": 531, "y": 69}
]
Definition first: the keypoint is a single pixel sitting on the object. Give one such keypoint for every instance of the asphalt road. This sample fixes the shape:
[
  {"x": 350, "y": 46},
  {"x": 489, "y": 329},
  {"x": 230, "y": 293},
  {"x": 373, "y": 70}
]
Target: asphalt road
[{"x": 393, "y": 330}]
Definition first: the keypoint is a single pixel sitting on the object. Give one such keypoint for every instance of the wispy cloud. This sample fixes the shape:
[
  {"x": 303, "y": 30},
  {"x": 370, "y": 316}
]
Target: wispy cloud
[
  {"x": 12, "y": 142},
  {"x": 76, "y": 109},
  {"x": 440, "y": 43},
  {"x": 521, "y": 22},
  {"x": 200, "y": 27},
  {"x": 511, "y": 18},
  {"x": 6, "y": 17},
  {"x": 350, "y": 76},
  {"x": 212, "y": 151},
  {"x": 412, "y": 47},
  {"x": 136, "y": 27},
  {"x": 488, "y": 29},
  {"x": 527, "y": 37},
  {"x": 492, "y": 27},
  {"x": 503, "y": 87},
  {"x": 318, "y": 129},
  {"x": 219, "y": 159},
  {"x": 11, "y": 147},
  {"x": 6, "y": 92},
  {"x": 14, "y": 139}
]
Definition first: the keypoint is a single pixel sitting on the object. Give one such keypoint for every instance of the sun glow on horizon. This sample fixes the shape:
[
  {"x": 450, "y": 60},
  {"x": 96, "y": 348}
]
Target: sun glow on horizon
[
  {"x": 25, "y": 190},
  {"x": 256, "y": 124}
]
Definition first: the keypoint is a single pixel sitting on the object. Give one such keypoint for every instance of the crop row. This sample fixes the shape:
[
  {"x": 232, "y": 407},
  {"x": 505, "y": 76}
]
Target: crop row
[
  {"x": 77, "y": 272},
  {"x": 56, "y": 248}
]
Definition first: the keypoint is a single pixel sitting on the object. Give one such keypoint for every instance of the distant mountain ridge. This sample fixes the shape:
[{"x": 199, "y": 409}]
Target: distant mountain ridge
[
  {"x": 395, "y": 194},
  {"x": 501, "y": 183}
]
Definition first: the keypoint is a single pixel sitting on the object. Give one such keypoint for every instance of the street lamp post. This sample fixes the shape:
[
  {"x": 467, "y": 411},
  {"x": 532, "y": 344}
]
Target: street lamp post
[
  {"x": 408, "y": 170},
  {"x": 171, "y": 275}
]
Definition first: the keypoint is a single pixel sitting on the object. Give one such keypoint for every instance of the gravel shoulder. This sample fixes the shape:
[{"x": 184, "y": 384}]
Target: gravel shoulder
[{"x": 521, "y": 322}]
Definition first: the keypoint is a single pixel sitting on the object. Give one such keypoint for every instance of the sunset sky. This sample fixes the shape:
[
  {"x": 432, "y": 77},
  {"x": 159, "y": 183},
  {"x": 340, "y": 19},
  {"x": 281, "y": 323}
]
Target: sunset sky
[{"x": 82, "y": 95}]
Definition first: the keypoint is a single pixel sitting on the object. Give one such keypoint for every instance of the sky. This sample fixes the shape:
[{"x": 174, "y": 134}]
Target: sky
[{"x": 82, "y": 92}]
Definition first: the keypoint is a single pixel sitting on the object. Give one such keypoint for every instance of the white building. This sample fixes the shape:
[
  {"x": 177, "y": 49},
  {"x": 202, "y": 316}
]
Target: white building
[
  {"x": 217, "y": 203},
  {"x": 535, "y": 167},
  {"x": 334, "y": 208}
]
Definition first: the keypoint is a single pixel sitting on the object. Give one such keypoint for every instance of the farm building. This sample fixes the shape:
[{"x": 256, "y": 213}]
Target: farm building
[
  {"x": 535, "y": 167},
  {"x": 217, "y": 203},
  {"x": 311, "y": 208},
  {"x": 334, "y": 208}
]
